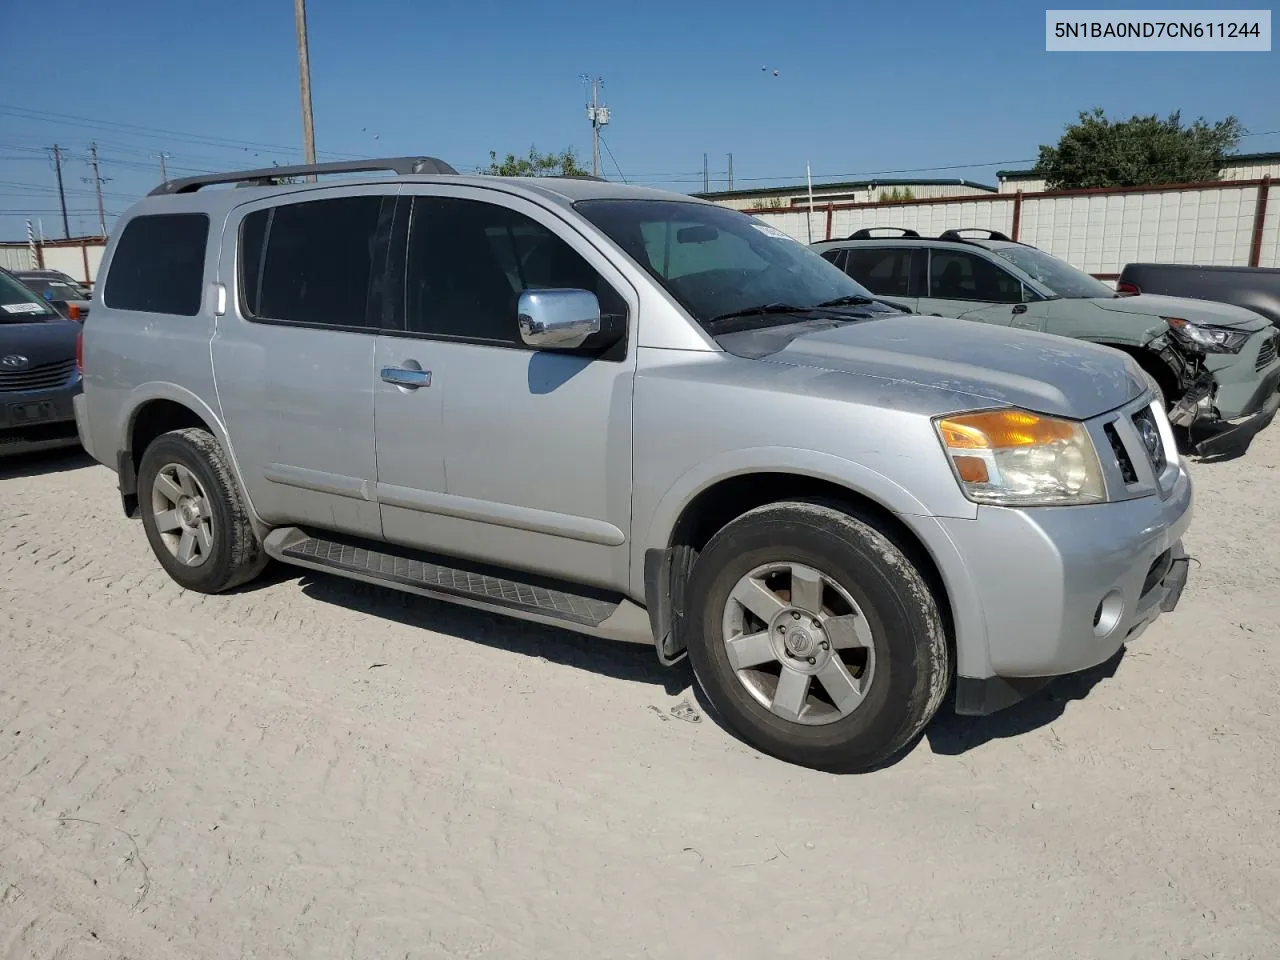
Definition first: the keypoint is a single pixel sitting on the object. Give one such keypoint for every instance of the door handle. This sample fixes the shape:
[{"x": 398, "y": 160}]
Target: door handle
[
  {"x": 1020, "y": 308},
  {"x": 407, "y": 377}
]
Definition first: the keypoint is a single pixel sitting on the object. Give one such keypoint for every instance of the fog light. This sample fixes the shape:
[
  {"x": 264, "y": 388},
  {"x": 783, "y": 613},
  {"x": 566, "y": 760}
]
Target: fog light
[{"x": 1107, "y": 617}]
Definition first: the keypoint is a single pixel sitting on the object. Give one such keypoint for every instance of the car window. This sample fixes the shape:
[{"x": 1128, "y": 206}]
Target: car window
[
  {"x": 836, "y": 256},
  {"x": 1058, "y": 275},
  {"x": 19, "y": 305},
  {"x": 468, "y": 261},
  {"x": 158, "y": 265},
  {"x": 735, "y": 262},
  {"x": 886, "y": 271},
  {"x": 312, "y": 262},
  {"x": 955, "y": 275},
  {"x": 675, "y": 250}
]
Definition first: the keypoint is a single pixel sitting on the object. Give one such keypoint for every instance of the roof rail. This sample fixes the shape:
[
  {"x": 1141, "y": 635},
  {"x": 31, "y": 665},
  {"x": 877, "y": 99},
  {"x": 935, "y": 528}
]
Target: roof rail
[
  {"x": 955, "y": 234},
  {"x": 865, "y": 232},
  {"x": 402, "y": 166}
]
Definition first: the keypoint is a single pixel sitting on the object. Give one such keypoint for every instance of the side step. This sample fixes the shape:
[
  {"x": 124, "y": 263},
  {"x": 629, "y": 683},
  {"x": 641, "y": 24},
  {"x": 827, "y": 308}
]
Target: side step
[{"x": 514, "y": 593}]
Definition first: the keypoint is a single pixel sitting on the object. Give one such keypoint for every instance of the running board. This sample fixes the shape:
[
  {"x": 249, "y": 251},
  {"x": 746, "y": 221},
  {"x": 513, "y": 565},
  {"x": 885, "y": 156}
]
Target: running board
[{"x": 508, "y": 592}]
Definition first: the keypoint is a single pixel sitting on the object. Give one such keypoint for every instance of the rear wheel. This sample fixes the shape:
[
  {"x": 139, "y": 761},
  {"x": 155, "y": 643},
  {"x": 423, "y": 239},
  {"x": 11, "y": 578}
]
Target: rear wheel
[
  {"x": 815, "y": 637},
  {"x": 194, "y": 515}
]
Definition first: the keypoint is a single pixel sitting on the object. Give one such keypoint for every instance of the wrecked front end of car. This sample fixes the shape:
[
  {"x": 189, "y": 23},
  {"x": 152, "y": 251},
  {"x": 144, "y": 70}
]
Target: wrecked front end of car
[{"x": 1227, "y": 377}]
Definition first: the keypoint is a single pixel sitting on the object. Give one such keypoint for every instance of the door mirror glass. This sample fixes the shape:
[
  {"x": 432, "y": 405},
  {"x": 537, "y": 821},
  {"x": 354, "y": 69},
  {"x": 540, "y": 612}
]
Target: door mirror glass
[{"x": 557, "y": 319}]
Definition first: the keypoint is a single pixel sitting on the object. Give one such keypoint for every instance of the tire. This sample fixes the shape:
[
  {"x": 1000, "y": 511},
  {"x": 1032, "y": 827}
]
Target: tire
[
  {"x": 878, "y": 616},
  {"x": 200, "y": 495}
]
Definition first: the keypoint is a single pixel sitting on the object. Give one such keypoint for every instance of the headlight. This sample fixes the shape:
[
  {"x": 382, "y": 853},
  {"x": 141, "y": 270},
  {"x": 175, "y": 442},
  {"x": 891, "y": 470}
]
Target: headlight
[
  {"x": 1208, "y": 339},
  {"x": 1020, "y": 459}
]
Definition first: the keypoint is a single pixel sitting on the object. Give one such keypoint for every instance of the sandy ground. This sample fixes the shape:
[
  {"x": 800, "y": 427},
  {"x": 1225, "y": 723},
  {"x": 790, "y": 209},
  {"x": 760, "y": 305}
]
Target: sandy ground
[{"x": 316, "y": 769}]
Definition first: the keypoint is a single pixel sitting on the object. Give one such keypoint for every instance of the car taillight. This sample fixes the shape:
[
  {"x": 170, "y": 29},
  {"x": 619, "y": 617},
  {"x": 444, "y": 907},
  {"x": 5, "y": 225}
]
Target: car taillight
[
  {"x": 1127, "y": 289},
  {"x": 80, "y": 351},
  {"x": 73, "y": 312}
]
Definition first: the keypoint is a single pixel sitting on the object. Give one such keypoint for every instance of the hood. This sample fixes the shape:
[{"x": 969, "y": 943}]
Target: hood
[
  {"x": 1204, "y": 312},
  {"x": 994, "y": 364},
  {"x": 48, "y": 341}
]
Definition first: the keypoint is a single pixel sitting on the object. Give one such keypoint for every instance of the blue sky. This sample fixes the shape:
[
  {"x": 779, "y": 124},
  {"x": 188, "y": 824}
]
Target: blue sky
[{"x": 862, "y": 88}]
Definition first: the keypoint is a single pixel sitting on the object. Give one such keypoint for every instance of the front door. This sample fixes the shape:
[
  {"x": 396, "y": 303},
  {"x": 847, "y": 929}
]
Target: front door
[
  {"x": 293, "y": 355},
  {"x": 536, "y": 445},
  {"x": 967, "y": 285}
]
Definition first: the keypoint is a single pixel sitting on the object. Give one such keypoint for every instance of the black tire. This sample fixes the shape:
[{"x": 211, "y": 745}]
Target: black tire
[
  {"x": 912, "y": 669},
  {"x": 236, "y": 556}
]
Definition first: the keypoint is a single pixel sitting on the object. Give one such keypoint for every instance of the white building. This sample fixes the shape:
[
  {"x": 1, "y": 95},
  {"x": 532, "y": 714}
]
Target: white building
[
  {"x": 857, "y": 191},
  {"x": 1242, "y": 166}
]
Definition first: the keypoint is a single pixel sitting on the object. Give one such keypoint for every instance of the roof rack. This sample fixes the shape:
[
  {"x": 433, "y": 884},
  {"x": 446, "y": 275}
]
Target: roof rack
[
  {"x": 402, "y": 166},
  {"x": 955, "y": 234},
  {"x": 865, "y": 232}
]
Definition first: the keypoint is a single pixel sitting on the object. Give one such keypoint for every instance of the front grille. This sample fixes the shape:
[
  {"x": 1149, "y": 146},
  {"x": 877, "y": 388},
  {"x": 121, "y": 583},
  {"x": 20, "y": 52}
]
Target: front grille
[
  {"x": 41, "y": 377},
  {"x": 1267, "y": 353},
  {"x": 1127, "y": 470},
  {"x": 1144, "y": 421}
]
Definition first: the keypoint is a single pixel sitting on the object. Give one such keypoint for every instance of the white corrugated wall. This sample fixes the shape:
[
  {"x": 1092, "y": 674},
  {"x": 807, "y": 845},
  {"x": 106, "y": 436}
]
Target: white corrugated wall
[{"x": 1099, "y": 233}]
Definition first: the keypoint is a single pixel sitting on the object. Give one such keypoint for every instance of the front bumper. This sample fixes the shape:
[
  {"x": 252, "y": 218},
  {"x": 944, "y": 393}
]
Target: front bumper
[
  {"x": 1232, "y": 401},
  {"x": 1061, "y": 589},
  {"x": 34, "y": 420}
]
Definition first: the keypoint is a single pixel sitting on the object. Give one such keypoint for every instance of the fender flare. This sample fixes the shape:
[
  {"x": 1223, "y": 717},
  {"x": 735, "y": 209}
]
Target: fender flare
[{"x": 145, "y": 393}]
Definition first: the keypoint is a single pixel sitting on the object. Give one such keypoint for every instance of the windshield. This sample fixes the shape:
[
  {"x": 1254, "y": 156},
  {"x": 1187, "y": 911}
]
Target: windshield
[
  {"x": 20, "y": 305},
  {"x": 56, "y": 289},
  {"x": 1058, "y": 275},
  {"x": 716, "y": 261}
]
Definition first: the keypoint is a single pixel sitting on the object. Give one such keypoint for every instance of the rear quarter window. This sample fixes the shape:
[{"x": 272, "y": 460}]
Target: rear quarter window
[{"x": 158, "y": 265}]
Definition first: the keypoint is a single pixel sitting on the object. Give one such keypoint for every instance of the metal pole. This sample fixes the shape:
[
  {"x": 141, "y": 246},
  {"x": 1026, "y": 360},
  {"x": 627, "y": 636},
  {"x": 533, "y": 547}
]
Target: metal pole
[
  {"x": 706, "y": 175},
  {"x": 808, "y": 217},
  {"x": 164, "y": 177},
  {"x": 731, "y": 173},
  {"x": 304, "y": 82},
  {"x": 97, "y": 186},
  {"x": 595, "y": 127},
  {"x": 62, "y": 197}
]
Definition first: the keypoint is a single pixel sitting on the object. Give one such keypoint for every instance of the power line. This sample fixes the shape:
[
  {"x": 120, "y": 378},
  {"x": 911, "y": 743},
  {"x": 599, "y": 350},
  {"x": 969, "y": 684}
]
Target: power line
[{"x": 614, "y": 159}]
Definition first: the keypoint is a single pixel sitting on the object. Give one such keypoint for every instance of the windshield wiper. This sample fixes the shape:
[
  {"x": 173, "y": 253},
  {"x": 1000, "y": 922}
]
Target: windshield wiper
[
  {"x": 764, "y": 308},
  {"x": 852, "y": 300}
]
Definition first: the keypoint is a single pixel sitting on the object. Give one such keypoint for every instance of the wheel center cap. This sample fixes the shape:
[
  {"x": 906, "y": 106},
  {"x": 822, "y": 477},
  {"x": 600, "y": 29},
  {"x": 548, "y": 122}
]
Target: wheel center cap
[
  {"x": 800, "y": 642},
  {"x": 189, "y": 512}
]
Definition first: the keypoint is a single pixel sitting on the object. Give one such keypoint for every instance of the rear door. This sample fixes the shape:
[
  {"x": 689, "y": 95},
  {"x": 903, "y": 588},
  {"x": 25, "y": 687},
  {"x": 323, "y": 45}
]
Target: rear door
[
  {"x": 294, "y": 353},
  {"x": 885, "y": 271},
  {"x": 965, "y": 284}
]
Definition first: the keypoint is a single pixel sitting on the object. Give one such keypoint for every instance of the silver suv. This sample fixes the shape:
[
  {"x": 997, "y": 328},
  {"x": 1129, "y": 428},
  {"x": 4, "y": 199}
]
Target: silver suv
[{"x": 636, "y": 415}]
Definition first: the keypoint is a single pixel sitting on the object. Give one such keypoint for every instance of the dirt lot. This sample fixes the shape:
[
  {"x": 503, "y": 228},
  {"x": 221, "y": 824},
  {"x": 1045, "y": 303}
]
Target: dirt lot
[{"x": 315, "y": 769}]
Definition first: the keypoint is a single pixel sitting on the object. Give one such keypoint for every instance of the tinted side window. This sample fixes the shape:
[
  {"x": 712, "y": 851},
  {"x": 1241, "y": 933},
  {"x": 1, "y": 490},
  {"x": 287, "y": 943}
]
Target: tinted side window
[
  {"x": 469, "y": 261},
  {"x": 158, "y": 265},
  {"x": 313, "y": 262},
  {"x": 835, "y": 256},
  {"x": 884, "y": 271},
  {"x": 964, "y": 276}
]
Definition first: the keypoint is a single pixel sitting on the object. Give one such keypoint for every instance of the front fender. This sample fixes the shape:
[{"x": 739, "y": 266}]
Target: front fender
[{"x": 804, "y": 463}]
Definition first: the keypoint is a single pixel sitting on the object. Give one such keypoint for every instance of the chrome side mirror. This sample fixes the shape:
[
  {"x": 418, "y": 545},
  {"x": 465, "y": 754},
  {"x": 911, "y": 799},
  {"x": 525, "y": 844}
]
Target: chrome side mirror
[{"x": 558, "y": 319}]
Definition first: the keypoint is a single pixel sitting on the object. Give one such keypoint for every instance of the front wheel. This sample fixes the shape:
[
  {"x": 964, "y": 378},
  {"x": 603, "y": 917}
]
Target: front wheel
[{"x": 815, "y": 637}]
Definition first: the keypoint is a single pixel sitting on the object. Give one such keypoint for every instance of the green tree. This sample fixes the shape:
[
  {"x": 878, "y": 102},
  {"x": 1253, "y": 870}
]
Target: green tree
[
  {"x": 535, "y": 165},
  {"x": 897, "y": 195},
  {"x": 1097, "y": 152}
]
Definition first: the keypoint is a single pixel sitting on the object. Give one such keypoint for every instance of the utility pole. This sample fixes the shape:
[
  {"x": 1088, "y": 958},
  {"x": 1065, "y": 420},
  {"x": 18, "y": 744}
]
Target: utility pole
[
  {"x": 97, "y": 187},
  {"x": 598, "y": 114},
  {"x": 706, "y": 175},
  {"x": 162, "y": 157},
  {"x": 731, "y": 173},
  {"x": 304, "y": 82},
  {"x": 62, "y": 197}
]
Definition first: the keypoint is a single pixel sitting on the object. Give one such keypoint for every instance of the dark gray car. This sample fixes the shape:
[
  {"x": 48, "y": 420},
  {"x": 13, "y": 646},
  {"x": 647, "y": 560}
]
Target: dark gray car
[{"x": 39, "y": 372}]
